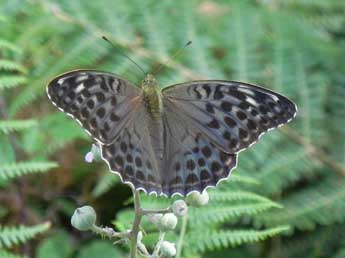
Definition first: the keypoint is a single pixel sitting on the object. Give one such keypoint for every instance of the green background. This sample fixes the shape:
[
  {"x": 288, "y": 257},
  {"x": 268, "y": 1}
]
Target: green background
[{"x": 287, "y": 195}]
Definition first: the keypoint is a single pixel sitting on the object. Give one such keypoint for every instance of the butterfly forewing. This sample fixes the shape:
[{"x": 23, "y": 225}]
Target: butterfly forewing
[
  {"x": 232, "y": 115},
  {"x": 101, "y": 102}
]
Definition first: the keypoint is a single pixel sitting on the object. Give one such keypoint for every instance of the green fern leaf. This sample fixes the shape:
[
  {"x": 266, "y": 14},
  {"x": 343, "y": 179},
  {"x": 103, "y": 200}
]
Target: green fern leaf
[
  {"x": 16, "y": 125},
  {"x": 9, "y": 171},
  {"x": 10, "y": 236},
  {"x": 5, "y": 254},
  {"x": 212, "y": 240},
  {"x": 221, "y": 196},
  {"x": 221, "y": 213},
  {"x": 11, "y": 81},
  {"x": 323, "y": 203},
  {"x": 243, "y": 179},
  {"x": 11, "y": 66},
  {"x": 6, "y": 45}
]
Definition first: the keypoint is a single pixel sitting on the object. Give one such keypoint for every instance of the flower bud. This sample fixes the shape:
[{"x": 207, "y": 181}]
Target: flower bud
[
  {"x": 155, "y": 218},
  {"x": 84, "y": 218},
  {"x": 89, "y": 157},
  {"x": 168, "y": 249},
  {"x": 198, "y": 199},
  {"x": 168, "y": 222},
  {"x": 140, "y": 236},
  {"x": 140, "y": 245},
  {"x": 94, "y": 154},
  {"x": 180, "y": 208}
]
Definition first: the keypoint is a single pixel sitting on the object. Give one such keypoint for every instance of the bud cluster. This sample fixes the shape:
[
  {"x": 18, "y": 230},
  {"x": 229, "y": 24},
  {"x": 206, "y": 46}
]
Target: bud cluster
[{"x": 84, "y": 218}]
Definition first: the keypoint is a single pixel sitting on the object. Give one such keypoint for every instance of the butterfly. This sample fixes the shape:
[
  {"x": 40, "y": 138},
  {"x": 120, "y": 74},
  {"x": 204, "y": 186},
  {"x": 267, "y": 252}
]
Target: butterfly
[{"x": 183, "y": 138}]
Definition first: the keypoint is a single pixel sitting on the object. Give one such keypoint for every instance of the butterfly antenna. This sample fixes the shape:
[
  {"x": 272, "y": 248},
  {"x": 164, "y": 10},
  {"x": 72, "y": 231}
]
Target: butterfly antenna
[
  {"x": 122, "y": 53},
  {"x": 177, "y": 53}
]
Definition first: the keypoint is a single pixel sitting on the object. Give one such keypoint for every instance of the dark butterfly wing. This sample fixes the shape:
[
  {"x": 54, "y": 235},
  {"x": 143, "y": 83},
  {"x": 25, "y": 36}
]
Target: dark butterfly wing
[
  {"x": 101, "y": 102},
  {"x": 134, "y": 154},
  {"x": 191, "y": 162},
  {"x": 207, "y": 122},
  {"x": 231, "y": 115}
]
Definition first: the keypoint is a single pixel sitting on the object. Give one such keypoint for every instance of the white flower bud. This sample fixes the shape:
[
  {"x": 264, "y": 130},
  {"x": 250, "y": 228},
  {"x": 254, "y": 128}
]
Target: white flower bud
[
  {"x": 140, "y": 236},
  {"x": 140, "y": 245},
  {"x": 84, "y": 218},
  {"x": 168, "y": 249},
  {"x": 180, "y": 208},
  {"x": 155, "y": 218},
  {"x": 89, "y": 157},
  {"x": 168, "y": 222},
  {"x": 94, "y": 154},
  {"x": 198, "y": 199}
]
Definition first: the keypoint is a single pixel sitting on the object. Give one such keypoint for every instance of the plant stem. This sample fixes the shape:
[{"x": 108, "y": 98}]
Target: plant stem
[
  {"x": 182, "y": 234},
  {"x": 135, "y": 229},
  {"x": 158, "y": 245},
  {"x": 153, "y": 211},
  {"x": 109, "y": 232}
]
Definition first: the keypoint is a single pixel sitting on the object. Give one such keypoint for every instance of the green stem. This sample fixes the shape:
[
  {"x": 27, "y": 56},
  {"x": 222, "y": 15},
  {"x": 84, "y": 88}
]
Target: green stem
[
  {"x": 136, "y": 223},
  {"x": 153, "y": 211},
  {"x": 182, "y": 234},
  {"x": 109, "y": 232},
  {"x": 158, "y": 244}
]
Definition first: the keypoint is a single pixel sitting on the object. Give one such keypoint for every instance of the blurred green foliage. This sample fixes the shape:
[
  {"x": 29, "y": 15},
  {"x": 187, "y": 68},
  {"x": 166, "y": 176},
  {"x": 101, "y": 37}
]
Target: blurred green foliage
[{"x": 291, "y": 183}]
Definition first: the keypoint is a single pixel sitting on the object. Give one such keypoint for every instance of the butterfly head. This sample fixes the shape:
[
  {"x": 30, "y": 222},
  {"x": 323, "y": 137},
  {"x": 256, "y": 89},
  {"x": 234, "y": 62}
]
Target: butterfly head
[{"x": 149, "y": 81}]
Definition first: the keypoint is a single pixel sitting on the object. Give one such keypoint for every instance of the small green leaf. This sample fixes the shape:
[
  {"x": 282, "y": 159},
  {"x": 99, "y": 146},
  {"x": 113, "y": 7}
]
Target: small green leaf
[
  {"x": 99, "y": 249},
  {"x": 59, "y": 245}
]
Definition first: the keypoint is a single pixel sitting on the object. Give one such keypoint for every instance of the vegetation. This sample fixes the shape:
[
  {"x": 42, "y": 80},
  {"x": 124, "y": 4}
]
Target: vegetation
[{"x": 285, "y": 199}]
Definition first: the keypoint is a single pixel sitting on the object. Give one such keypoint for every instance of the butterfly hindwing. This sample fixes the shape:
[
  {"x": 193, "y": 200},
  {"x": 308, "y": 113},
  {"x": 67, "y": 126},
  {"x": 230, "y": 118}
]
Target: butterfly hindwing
[
  {"x": 192, "y": 161},
  {"x": 231, "y": 114},
  {"x": 134, "y": 156},
  {"x": 101, "y": 102}
]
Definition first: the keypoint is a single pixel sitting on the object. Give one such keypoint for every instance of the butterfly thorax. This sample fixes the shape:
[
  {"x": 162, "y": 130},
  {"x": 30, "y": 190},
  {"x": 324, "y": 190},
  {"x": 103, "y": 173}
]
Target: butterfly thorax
[{"x": 152, "y": 95}]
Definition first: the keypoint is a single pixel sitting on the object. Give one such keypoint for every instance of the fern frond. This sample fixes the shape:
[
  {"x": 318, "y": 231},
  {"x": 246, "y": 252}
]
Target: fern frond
[
  {"x": 9, "y": 171},
  {"x": 10, "y": 236},
  {"x": 158, "y": 39},
  {"x": 220, "y": 213},
  {"x": 11, "y": 81},
  {"x": 308, "y": 243},
  {"x": 6, "y": 45},
  {"x": 77, "y": 48},
  {"x": 244, "y": 35},
  {"x": 221, "y": 196},
  {"x": 243, "y": 179},
  {"x": 11, "y": 66},
  {"x": 323, "y": 203},
  {"x": 5, "y": 254},
  {"x": 16, "y": 125},
  {"x": 204, "y": 240}
]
